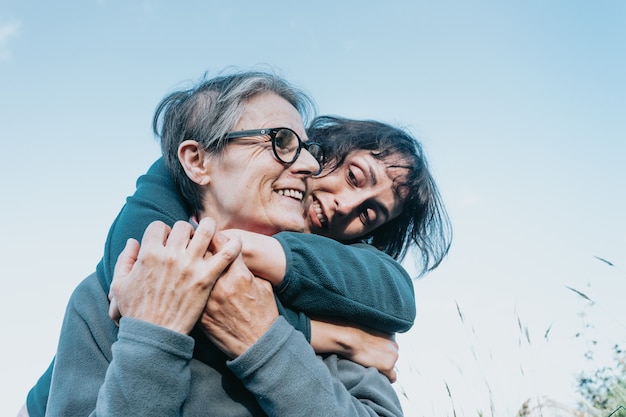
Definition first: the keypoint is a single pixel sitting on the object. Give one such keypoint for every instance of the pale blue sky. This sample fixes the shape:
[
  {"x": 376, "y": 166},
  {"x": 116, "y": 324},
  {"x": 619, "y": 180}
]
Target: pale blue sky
[{"x": 521, "y": 107}]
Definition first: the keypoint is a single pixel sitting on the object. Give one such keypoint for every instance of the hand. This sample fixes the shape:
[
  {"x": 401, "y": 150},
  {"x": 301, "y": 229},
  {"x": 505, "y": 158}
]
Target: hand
[
  {"x": 240, "y": 310},
  {"x": 168, "y": 280},
  {"x": 365, "y": 347}
]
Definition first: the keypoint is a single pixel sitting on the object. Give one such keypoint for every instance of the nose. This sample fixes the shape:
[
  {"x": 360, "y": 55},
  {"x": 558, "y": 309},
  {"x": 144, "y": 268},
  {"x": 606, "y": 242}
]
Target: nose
[
  {"x": 348, "y": 202},
  {"x": 306, "y": 163}
]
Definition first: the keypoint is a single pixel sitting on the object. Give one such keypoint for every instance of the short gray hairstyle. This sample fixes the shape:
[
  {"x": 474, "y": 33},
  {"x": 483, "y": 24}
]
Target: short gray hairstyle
[{"x": 210, "y": 109}]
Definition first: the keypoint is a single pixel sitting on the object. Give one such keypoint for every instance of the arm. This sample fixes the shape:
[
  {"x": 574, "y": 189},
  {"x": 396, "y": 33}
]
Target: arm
[
  {"x": 367, "y": 285},
  {"x": 94, "y": 368},
  {"x": 146, "y": 369},
  {"x": 242, "y": 319},
  {"x": 281, "y": 366},
  {"x": 276, "y": 363},
  {"x": 365, "y": 347},
  {"x": 323, "y": 277},
  {"x": 264, "y": 256}
]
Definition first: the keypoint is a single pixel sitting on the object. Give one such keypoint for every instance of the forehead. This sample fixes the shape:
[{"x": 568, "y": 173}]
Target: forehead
[{"x": 268, "y": 110}]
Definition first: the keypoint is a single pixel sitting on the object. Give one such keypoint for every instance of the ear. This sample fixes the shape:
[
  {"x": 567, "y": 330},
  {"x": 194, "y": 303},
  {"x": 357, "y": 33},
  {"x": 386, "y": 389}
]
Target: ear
[{"x": 193, "y": 158}]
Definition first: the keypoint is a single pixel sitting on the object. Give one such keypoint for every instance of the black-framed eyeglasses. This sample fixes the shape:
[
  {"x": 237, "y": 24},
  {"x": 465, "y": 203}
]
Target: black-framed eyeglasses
[{"x": 286, "y": 144}]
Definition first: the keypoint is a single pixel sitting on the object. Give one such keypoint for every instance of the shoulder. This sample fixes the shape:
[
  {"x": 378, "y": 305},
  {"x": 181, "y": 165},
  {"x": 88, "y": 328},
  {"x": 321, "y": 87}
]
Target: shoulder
[
  {"x": 90, "y": 302},
  {"x": 89, "y": 289}
]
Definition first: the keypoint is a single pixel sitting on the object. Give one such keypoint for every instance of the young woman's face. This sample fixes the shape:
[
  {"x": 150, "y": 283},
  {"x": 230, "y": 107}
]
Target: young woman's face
[
  {"x": 354, "y": 199},
  {"x": 249, "y": 188}
]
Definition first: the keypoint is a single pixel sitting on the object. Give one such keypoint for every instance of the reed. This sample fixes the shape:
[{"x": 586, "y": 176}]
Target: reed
[{"x": 601, "y": 389}]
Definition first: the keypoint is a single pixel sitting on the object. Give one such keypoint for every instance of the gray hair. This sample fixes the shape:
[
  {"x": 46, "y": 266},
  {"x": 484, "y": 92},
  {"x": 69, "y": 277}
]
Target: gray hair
[{"x": 209, "y": 110}]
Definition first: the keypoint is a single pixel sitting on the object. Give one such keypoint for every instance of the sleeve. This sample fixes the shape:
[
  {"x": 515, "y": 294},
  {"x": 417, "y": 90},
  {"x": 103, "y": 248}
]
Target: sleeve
[
  {"x": 356, "y": 282},
  {"x": 142, "y": 369},
  {"x": 282, "y": 366},
  {"x": 150, "y": 373}
]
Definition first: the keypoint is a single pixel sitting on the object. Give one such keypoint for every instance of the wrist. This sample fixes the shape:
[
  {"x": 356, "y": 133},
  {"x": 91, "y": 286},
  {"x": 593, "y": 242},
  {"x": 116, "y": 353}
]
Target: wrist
[
  {"x": 332, "y": 338},
  {"x": 264, "y": 257}
]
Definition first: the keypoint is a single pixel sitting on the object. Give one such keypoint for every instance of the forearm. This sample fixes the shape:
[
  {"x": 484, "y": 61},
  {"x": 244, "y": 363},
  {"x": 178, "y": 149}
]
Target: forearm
[
  {"x": 365, "y": 347},
  {"x": 263, "y": 255},
  {"x": 323, "y": 277},
  {"x": 356, "y": 283},
  {"x": 332, "y": 338}
]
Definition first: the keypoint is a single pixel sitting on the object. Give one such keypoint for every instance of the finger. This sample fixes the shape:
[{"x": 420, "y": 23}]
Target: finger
[
  {"x": 227, "y": 253},
  {"x": 180, "y": 235},
  {"x": 202, "y": 237},
  {"x": 123, "y": 266},
  {"x": 157, "y": 232},
  {"x": 114, "y": 311},
  {"x": 127, "y": 258},
  {"x": 238, "y": 267}
]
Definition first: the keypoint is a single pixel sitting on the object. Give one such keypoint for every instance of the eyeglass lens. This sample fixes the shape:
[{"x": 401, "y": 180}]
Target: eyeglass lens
[{"x": 287, "y": 145}]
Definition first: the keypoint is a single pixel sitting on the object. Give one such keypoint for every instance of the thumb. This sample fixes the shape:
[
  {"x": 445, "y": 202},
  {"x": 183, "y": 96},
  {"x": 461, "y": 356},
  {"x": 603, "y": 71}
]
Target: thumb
[
  {"x": 125, "y": 262},
  {"x": 127, "y": 258},
  {"x": 114, "y": 311}
]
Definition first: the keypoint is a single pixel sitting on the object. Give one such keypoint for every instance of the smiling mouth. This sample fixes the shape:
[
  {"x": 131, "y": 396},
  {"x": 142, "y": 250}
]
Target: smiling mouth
[
  {"x": 319, "y": 212},
  {"x": 291, "y": 193}
]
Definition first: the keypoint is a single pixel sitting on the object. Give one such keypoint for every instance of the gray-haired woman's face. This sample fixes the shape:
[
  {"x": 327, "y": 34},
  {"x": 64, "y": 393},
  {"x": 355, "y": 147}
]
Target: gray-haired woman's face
[{"x": 249, "y": 188}]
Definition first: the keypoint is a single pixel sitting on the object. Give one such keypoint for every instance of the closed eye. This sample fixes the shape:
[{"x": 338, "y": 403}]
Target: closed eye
[
  {"x": 351, "y": 177},
  {"x": 368, "y": 216},
  {"x": 356, "y": 177}
]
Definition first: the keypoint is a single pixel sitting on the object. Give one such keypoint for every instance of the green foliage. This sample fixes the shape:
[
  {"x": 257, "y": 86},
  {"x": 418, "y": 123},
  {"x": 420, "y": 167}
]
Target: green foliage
[{"x": 604, "y": 390}]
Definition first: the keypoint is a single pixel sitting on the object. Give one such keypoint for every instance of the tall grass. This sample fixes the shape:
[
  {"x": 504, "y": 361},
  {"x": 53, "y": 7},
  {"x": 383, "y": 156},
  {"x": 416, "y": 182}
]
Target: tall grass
[{"x": 601, "y": 388}]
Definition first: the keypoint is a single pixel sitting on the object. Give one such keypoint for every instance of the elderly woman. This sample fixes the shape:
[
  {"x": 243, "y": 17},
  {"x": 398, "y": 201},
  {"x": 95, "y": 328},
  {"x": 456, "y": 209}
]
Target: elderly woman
[{"x": 234, "y": 183}]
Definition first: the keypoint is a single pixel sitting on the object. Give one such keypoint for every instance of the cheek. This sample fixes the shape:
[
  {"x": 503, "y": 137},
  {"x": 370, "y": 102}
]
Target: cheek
[
  {"x": 329, "y": 183},
  {"x": 353, "y": 230},
  {"x": 247, "y": 182}
]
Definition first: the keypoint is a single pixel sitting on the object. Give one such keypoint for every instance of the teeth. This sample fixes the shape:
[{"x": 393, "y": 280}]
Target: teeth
[
  {"x": 318, "y": 212},
  {"x": 291, "y": 193}
]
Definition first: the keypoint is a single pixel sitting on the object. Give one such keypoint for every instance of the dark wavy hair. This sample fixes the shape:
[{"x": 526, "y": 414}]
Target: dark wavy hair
[{"x": 423, "y": 222}]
